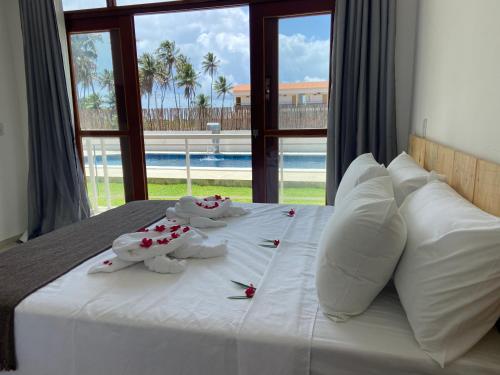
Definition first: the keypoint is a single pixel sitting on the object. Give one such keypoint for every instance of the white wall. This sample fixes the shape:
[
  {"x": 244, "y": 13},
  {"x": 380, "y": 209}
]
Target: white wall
[
  {"x": 406, "y": 23},
  {"x": 13, "y": 115},
  {"x": 457, "y": 75}
]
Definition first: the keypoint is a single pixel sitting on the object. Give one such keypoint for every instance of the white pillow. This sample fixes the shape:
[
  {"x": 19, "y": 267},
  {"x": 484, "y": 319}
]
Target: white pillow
[
  {"x": 407, "y": 176},
  {"x": 448, "y": 278},
  {"x": 363, "y": 168},
  {"x": 359, "y": 249}
]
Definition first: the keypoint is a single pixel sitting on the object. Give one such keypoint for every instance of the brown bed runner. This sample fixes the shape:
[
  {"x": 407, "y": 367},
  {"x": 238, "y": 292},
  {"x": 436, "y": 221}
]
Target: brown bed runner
[{"x": 26, "y": 268}]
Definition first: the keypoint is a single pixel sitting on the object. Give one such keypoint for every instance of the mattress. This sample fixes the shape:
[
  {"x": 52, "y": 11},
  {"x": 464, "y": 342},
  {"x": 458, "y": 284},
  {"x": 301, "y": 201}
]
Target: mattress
[{"x": 134, "y": 321}]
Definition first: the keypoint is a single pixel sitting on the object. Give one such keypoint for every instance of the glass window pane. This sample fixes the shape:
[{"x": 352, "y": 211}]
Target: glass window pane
[
  {"x": 103, "y": 172},
  {"x": 304, "y": 64},
  {"x": 302, "y": 170},
  {"x": 197, "y": 136},
  {"x": 83, "y": 4},
  {"x": 95, "y": 80}
]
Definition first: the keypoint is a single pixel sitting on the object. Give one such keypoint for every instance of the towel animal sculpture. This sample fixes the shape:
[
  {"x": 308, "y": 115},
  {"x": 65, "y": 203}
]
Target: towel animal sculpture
[
  {"x": 161, "y": 248},
  {"x": 205, "y": 212}
]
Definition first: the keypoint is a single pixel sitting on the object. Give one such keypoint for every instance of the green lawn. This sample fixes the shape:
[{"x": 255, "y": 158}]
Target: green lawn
[{"x": 292, "y": 195}]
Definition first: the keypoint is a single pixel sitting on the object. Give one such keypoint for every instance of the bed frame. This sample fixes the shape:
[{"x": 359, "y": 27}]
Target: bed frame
[{"x": 476, "y": 180}]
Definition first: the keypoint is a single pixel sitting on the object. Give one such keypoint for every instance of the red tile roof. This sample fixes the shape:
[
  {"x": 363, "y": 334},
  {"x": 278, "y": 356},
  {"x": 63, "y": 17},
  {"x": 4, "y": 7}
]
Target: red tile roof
[{"x": 287, "y": 86}]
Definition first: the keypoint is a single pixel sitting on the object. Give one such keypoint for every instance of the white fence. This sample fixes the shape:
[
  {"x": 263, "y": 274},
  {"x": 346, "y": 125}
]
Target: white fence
[{"x": 189, "y": 143}]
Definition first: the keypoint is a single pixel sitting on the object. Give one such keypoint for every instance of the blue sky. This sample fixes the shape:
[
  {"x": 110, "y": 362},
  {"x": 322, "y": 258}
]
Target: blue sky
[{"x": 304, "y": 43}]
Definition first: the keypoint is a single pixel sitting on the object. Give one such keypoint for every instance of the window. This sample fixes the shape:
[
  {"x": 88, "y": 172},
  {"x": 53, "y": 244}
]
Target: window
[
  {"x": 165, "y": 104},
  {"x": 197, "y": 139}
]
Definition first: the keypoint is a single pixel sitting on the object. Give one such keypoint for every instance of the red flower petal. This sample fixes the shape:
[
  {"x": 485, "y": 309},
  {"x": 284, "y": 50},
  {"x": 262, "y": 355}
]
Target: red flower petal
[
  {"x": 160, "y": 228},
  {"x": 143, "y": 230},
  {"x": 217, "y": 197},
  {"x": 163, "y": 241},
  {"x": 276, "y": 243},
  {"x": 185, "y": 229},
  {"x": 175, "y": 228},
  {"x": 110, "y": 263},
  {"x": 250, "y": 292},
  {"x": 146, "y": 242},
  {"x": 105, "y": 262},
  {"x": 175, "y": 235}
]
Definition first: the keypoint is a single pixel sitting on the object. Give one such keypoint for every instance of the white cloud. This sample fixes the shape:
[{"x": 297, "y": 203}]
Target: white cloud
[
  {"x": 302, "y": 59},
  {"x": 225, "y": 32}
]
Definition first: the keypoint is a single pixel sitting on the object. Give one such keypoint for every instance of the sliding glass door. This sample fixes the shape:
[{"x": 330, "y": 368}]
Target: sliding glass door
[
  {"x": 106, "y": 111},
  {"x": 194, "y": 76},
  {"x": 202, "y": 97},
  {"x": 290, "y": 136}
]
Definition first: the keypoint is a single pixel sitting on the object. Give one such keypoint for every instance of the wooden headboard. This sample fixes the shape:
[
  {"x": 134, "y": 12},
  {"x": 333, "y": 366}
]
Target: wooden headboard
[{"x": 476, "y": 180}]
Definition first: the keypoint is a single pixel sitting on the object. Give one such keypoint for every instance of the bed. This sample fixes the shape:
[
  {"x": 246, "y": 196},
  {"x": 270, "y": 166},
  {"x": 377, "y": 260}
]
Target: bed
[{"x": 134, "y": 321}]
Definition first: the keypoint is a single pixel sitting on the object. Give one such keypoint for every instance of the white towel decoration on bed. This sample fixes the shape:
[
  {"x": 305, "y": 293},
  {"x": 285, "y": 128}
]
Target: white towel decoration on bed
[
  {"x": 159, "y": 247},
  {"x": 164, "y": 264},
  {"x": 203, "y": 213},
  {"x": 111, "y": 264}
]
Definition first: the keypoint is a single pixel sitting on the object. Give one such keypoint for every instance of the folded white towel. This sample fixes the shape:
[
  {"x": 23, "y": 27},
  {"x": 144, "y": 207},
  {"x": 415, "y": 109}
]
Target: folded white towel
[
  {"x": 164, "y": 264},
  {"x": 202, "y": 213},
  {"x": 201, "y": 248},
  {"x": 111, "y": 264},
  {"x": 157, "y": 245},
  {"x": 145, "y": 245}
]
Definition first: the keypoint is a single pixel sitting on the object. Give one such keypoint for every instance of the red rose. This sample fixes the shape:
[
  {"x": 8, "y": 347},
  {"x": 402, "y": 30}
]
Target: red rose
[
  {"x": 175, "y": 228},
  {"x": 291, "y": 212},
  {"x": 163, "y": 241},
  {"x": 250, "y": 292},
  {"x": 175, "y": 235},
  {"x": 276, "y": 243},
  {"x": 160, "y": 228},
  {"x": 185, "y": 229},
  {"x": 146, "y": 242}
]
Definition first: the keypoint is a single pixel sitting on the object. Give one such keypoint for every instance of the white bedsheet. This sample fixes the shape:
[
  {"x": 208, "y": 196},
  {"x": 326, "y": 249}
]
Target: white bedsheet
[
  {"x": 137, "y": 322},
  {"x": 380, "y": 342}
]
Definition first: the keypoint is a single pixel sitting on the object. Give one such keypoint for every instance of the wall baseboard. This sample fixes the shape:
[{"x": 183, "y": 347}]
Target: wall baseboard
[{"x": 10, "y": 241}]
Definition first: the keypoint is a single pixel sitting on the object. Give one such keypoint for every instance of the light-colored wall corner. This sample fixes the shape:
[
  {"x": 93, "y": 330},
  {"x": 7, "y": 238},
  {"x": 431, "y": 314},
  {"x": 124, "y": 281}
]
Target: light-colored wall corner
[
  {"x": 406, "y": 24},
  {"x": 14, "y": 116},
  {"x": 457, "y": 75}
]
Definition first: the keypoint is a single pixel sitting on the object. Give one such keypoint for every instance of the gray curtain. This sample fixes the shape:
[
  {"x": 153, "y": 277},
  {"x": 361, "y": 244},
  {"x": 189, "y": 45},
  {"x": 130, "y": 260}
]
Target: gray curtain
[
  {"x": 56, "y": 192},
  {"x": 362, "y": 103}
]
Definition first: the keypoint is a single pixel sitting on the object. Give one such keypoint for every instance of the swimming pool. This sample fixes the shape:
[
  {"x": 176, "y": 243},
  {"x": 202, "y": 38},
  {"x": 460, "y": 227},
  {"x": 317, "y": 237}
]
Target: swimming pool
[{"x": 219, "y": 161}]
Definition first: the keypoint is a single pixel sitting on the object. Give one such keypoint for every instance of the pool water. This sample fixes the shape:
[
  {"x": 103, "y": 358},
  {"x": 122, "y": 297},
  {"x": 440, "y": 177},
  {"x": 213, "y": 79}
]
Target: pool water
[{"x": 220, "y": 161}]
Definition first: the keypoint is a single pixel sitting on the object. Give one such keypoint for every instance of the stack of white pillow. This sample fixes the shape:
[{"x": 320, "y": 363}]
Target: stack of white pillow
[{"x": 443, "y": 252}]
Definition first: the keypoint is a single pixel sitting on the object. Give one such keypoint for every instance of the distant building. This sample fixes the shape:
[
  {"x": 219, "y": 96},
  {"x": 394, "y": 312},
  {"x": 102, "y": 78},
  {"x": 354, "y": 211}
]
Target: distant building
[{"x": 297, "y": 93}]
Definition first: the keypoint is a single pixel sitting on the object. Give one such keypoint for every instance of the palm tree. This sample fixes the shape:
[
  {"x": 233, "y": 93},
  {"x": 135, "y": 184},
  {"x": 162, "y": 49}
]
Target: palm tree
[
  {"x": 93, "y": 101},
  {"x": 84, "y": 52},
  {"x": 222, "y": 88},
  {"x": 202, "y": 104},
  {"x": 162, "y": 79},
  {"x": 148, "y": 67},
  {"x": 210, "y": 65},
  {"x": 188, "y": 79},
  {"x": 167, "y": 53},
  {"x": 107, "y": 81}
]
